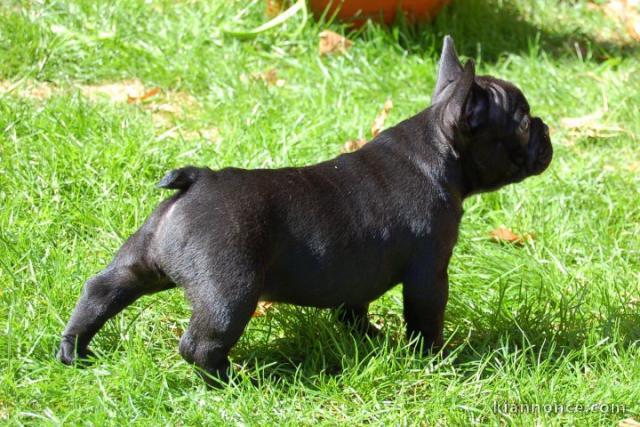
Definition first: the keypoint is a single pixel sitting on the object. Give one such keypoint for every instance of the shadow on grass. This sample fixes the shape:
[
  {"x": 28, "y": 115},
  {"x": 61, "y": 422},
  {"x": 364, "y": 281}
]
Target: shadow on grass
[
  {"x": 549, "y": 336},
  {"x": 305, "y": 345},
  {"x": 312, "y": 343},
  {"x": 315, "y": 345},
  {"x": 489, "y": 29}
]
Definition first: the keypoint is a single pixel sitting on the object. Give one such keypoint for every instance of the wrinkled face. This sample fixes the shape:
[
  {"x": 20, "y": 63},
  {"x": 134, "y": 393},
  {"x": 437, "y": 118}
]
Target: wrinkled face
[
  {"x": 489, "y": 125},
  {"x": 506, "y": 144}
]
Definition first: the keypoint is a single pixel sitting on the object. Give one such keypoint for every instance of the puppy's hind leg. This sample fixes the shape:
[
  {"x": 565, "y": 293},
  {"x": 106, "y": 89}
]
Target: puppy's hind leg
[
  {"x": 126, "y": 279},
  {"x": 221, "y": 311}
]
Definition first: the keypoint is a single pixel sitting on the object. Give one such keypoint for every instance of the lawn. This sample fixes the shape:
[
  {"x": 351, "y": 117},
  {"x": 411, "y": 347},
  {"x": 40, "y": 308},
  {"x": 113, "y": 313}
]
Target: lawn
[{"x": 552, "y": 321}]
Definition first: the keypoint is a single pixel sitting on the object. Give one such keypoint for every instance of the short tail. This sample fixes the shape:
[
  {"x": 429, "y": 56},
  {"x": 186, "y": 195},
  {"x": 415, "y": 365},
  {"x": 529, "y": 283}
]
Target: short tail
[{"x": 180, "y": 179}]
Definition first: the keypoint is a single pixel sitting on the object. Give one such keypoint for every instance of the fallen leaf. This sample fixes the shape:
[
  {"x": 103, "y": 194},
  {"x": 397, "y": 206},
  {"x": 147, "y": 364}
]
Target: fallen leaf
[
  {"x": 274, "y": 7},
  {"x": 378, "y": 123},
  {"x": 503, "y": 234},
  {"x": 170, "y": 106},
  {"x": 262, "y": 308},
  {"x": 269, "y": 77},
  {"x": 376, "y": 128},
  {"x": 628, "y": 422},
  {"x": 146, "y": 95},
  {"x": 115, "y": 91},
  {"x": 352, "y": 145},
  {"x": 165, "y": 106},
  {"x": 333, "y": 43}
]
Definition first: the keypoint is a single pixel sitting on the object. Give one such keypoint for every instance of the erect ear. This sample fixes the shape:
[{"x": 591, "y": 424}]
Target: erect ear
[
  {"x": 467, "y": 108},
  {"x": 449, "y": 69},
  {"x": 456, "y": 103}
]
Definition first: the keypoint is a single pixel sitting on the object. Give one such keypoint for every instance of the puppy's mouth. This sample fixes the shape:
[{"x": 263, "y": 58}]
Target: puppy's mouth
[{"x": 540, "y": 150}]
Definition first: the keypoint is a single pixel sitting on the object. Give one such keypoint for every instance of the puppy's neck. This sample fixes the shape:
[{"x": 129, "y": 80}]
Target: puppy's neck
[
  {"x": 451, "y": 146},
  {"x": 422, "y": 141}
]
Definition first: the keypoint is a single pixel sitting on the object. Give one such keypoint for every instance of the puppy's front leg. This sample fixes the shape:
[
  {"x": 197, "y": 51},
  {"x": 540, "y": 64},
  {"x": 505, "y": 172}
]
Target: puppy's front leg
[{"x": 425, "y": 296}]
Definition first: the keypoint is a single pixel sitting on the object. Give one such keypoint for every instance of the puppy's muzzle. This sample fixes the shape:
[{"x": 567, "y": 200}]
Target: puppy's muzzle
[{"x": 540, "y": 148}]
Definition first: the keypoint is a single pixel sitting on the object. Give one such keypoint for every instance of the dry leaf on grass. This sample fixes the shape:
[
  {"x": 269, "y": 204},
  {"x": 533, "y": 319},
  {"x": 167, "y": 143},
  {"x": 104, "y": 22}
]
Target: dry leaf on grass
[
  {"x": 174, "y": 103},
  {"x": 134, "y": 92},
  {"x": 165, "y": 107},
  {"x": 628, "y": 422},
  {"x": 146, "y": 95},
  {"x": 376, "y": 128},
  {"x": 269, "y": 77},
  {"x": 169, "y": 107},
  {"x": 503, "y": 234},
  {"x": 331, "y": 42},
  {"x": 352, "y": 145},
  {"x": 115, "y": 91},
  {"x": 262, "y": 308},
  {"x": 378, "y": 123},
  {"x": 274, "y": 7}
]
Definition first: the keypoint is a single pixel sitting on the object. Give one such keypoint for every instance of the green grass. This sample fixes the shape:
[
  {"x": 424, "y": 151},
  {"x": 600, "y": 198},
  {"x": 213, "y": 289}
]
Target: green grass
[{"x": 555, "y": 321}]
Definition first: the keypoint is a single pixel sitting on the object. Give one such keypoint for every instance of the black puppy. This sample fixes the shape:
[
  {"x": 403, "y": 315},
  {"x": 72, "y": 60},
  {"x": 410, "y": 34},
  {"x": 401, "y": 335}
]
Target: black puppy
[{"x": 337, "y": 234}]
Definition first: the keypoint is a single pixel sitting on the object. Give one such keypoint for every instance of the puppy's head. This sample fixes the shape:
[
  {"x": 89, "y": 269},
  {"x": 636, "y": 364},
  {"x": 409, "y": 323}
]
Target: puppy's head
[{"x": 489, "y": 124}]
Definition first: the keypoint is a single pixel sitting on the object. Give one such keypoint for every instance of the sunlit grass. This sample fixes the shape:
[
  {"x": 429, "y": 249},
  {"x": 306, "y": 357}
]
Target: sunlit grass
[{"x": 553, "y": 321}]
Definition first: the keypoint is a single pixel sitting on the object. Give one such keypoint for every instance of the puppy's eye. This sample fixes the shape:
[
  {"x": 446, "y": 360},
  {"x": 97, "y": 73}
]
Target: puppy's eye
[{"x": 524, "y": 124}]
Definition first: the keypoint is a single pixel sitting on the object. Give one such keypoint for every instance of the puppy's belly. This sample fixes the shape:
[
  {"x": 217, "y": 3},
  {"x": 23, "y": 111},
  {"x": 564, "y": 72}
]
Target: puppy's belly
[
  {"x": 323, "y": 295},
  {"x": 328, "y": 285}
]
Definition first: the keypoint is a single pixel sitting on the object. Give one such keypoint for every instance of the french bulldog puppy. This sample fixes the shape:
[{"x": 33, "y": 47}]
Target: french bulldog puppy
[{"x": 337, "y": 234}]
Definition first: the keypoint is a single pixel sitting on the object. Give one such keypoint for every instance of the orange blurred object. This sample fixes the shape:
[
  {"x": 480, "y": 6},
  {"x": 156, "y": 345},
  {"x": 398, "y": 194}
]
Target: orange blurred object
[{"x": 358, "y": 11}]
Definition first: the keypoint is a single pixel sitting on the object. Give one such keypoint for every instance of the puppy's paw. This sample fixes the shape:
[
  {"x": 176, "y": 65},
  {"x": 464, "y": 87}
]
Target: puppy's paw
[
  {"x": 69, "y": 354},
  {"x": 218, "y": 377}
]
